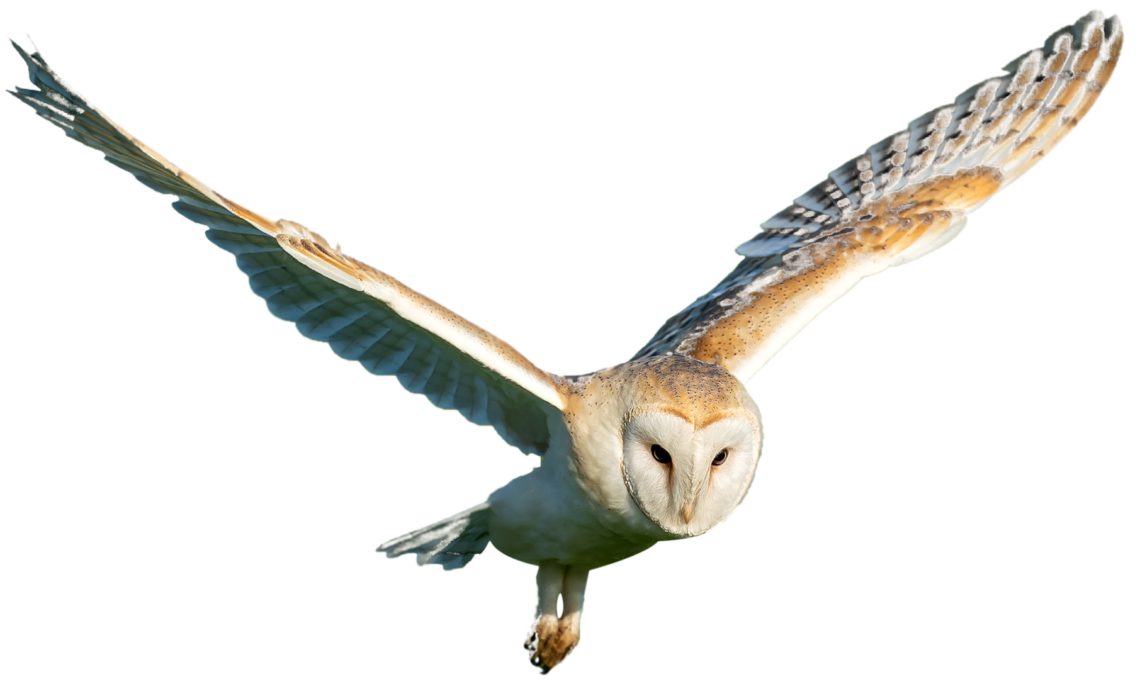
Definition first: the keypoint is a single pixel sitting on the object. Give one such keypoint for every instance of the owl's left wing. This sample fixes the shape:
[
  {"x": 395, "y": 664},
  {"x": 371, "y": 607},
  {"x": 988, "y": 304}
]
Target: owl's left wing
[
  {"x": 363, "y": 314},
  {"x": 906, "y": 196}
]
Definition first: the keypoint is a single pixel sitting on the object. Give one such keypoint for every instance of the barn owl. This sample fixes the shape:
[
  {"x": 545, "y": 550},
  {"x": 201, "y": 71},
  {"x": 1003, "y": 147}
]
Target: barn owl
[{"x": 666, "y": 445}]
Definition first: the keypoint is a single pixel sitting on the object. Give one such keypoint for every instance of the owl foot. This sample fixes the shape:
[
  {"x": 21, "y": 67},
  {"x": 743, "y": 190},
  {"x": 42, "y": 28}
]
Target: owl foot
[{"x": 552, "y": 640}]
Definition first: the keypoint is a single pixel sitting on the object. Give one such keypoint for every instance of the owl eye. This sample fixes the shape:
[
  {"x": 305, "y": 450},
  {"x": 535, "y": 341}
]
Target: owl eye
[
  {"x": 720, "y": 457},
  {"x": 660, "y": 454}
]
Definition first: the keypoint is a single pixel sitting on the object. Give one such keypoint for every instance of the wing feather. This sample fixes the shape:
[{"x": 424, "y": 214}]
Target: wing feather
[
  {"x": 906, "y": 196},
  {"x": 364, "y": 315}
]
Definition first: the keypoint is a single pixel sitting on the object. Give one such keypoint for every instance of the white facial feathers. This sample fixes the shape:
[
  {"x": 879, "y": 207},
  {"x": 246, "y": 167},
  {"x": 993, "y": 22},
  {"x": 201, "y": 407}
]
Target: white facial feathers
[{"x": 668, "y": 465}]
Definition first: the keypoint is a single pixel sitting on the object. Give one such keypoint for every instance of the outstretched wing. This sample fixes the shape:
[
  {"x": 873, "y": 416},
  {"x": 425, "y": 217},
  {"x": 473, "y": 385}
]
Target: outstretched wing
[
  {"x": 363, "y": 314},
  {"x": 906, "y": 196}
]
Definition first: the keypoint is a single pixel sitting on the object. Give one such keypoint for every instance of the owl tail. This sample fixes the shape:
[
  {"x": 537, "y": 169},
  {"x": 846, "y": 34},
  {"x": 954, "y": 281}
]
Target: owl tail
[{"x": 451, "y": 542}]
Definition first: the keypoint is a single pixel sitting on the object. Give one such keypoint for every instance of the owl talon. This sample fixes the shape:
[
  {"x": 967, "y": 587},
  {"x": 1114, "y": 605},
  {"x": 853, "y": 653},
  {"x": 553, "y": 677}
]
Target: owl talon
[
  {"x": 552, "y": 640},
  {"x": 531, "y": 640}
]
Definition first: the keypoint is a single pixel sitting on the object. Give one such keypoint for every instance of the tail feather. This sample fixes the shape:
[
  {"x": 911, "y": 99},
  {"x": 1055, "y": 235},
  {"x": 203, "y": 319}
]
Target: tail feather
[{"x": 451, "y": 542}]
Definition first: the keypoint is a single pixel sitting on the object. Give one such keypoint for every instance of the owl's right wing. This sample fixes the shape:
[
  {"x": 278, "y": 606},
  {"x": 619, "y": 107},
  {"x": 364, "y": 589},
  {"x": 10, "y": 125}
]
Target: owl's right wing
[
  {"x": 363, "y": 314},
  {"x": 906, "y": 196}
]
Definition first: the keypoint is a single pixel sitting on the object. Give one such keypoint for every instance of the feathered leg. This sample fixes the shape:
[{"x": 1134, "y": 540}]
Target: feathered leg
[
  {"x": 573, "y": 596},
  {"x": 553, "y": 637},
  {"x": 545, "y": 621}
]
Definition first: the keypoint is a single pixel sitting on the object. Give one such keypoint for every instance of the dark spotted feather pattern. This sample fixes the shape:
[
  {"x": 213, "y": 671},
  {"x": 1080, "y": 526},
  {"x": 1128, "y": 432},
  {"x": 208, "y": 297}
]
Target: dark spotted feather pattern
[{"x": 907, "y": 195}]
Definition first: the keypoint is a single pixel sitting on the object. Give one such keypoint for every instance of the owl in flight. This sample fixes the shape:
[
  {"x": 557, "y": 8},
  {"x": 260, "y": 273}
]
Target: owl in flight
[{"x": 663, "y": 446}]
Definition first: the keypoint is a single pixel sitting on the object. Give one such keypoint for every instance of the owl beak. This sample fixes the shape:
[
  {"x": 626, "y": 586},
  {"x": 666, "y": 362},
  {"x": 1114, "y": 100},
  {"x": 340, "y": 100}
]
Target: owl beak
[{"x": 687, "y": 512}]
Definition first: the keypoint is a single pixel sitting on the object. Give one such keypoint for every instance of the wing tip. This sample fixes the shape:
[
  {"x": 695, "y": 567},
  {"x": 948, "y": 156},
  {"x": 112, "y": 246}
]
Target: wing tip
[
  {"x": 1083, "y": 30},
  {"x": 1113, "y": 33},
  {"x": 30, "y": 54},
  {"x": 1077, "y": 35},
  {"x": 31, "y": 42},
  {"x": 21, "y": 50},
  {"x": 35, "y": 48}
]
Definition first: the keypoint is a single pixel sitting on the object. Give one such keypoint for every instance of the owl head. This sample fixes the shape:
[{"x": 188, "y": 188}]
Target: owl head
[{"x": 691, "y": 439}]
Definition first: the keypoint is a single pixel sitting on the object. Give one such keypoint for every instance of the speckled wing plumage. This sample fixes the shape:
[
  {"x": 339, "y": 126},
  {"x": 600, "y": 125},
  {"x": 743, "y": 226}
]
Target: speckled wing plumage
[
  {"x": 363, "y": 314},
  {"x": 904, "y": 197}
]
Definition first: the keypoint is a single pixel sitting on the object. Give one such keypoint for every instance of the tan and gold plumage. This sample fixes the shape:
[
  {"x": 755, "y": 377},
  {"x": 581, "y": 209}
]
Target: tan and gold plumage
[
  {"x": 666, "y": 445},
  {"x": 909, "y": 194}
]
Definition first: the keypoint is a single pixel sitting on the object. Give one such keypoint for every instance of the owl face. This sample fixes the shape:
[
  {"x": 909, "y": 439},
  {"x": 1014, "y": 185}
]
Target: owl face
[
  {"x": 690, "y": 441},
  {"x": 686, "y": 478}
]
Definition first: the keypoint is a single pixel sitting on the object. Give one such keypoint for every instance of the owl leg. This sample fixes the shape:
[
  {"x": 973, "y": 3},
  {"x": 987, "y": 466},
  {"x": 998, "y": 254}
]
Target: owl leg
[
  {"x": 553, "y": 637},
  {"x": 573, "y": 605},
  {"x": 544, "y": 628}
]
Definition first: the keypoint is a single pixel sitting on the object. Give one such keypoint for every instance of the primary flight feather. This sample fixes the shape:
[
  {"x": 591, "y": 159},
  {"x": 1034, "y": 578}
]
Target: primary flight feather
[{"x": 666, "y": 445}]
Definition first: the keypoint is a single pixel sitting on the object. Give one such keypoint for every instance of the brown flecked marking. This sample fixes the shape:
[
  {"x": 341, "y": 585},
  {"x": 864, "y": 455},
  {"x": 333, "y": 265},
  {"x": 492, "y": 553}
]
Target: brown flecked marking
[
  {"x": 1092, "y": 66},
  {"x": 995, "y": 124},
  {"x": 732, "y": 337},
  {"x": 896, "y": 222},
  {"x": 1090, "y": 49},
  {"x": 984, "y": 98},
  {"x": 1004, "y": 131},
  {"x": 316, "y": 251},
  {"x": 952, "y": 148},
  {"x": 695, "y": 391},
  {"x": 262, "y": 223},
  {"x": 971, "y": 122}
]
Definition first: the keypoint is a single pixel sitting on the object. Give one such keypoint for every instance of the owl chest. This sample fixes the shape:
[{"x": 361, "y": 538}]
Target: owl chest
[{"x": 546, "y": 515}]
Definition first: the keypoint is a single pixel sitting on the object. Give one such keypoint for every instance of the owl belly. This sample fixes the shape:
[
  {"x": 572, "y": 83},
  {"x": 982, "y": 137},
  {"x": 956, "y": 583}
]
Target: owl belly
[{"x": 544, "y": 516}]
